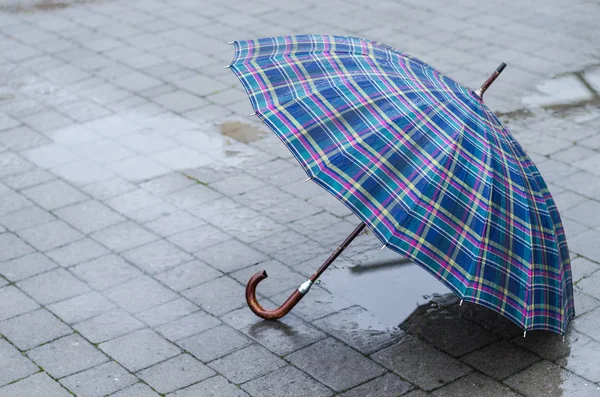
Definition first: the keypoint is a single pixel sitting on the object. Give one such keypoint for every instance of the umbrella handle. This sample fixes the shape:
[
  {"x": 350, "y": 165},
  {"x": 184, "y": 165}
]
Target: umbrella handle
[{"x": 298, "y": 294}]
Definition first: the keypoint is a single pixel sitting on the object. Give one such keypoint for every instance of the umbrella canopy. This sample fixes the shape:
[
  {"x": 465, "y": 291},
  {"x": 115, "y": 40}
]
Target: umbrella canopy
[{"x": 422, "y": 162}]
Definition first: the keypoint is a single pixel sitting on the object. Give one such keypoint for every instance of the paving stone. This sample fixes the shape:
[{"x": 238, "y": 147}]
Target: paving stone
[
  {"x": 176, "y": 373},
  {"x": 152, "y": 212},
  {"x": 582, "y": 268},
  {"x": 140, "y": 294},
  {"x": 32, "y": 329},
  {"x": 591, "y": 285},
  {"x": 26, "y": 218},
  {"x": 13, "y": 302},
  {"x": 173, "y": 223},
  {"x": 167, "y": 184},
  {"x": 213, "y": 343},
  {"x": 81, "y": 307},
  {"x": 217, "y": 296},
  {"x": 246, "y": 364},
  {"x": 486, "y": 318},
  {"x": 359, "y": 329},
  {"x": 11, "y": 203},
  {"x": 547, "y": 379},
  {"x": 199, "y": 238},
  {"x": 168, "y": 312},
  {"x": 316, "y": 304},
  {"x": 50, "y": 235},
  {"x": 583, "y": 358},
  {"x": 335, "y": 365},
  {"x": 99, "y": 381},
  {"x": 585, "y": 213},
  {"x": 140, "y": 349},
  {"x": 386, "y": 385},
  {"x": 25, "y": 266},
  {"x": 182, "y": 158},
  {"x": 500, "y": 360},
  {"x": 416, "y": 393},
  {"x": 123, "y": 236},
  {"x": 52, "y": 286},
  {"x": 192, "y": 196},
  {"x": 421, "y": 364},
  {"x": 77, "y": 252},
  {"x": 589, "y": 324},
  {"x": 138, "y": 168},
  {"x": 132, "y": 201},
  {"x": 448, "y": 332},
  {"x": 12, "y": 246},
  {"x": 216, "y": 386},
  {"x": 11, "y": 164},
  {"x": 475, "y": 385},
  {"x": 89, "y": 216},
  {"x": 14, "y": 364},
  {"x": 188, "y": 275},
  {"x": 137, "y": 390},
  {"x": 104, "y": 190},
  {"x": 108, "y": 325},
  {"x": 230, "y": 255},
  {"x": 157, "y": 256},
  {"x": 188, "y": 325},
  {"x": 49, "y": 156},
  {"x": 36, "y": 385},
  {"x": 66, "y": 356},
  {"x": 584, "y": 303},
  {"x": 278, "y": 241},
  {"x": 106, "y": 271},
  {"x": 103, "y": 152},
  {"x": 286, "y": 381},
  {"x": 23, "y": 180}
]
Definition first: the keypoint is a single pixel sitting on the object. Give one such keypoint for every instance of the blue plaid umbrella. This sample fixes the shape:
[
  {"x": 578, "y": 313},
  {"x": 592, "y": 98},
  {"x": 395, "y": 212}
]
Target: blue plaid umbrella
[{"x": 422, "y": 162}]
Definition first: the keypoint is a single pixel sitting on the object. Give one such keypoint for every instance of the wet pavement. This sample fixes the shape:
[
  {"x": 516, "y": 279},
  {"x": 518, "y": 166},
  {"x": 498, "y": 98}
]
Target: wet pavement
[{"x": 137, "y": 196}]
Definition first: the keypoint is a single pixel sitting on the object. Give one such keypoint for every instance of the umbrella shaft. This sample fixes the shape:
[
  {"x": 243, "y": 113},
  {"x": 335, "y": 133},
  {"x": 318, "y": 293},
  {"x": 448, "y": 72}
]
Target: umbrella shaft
[{"x": 337, "y": 252}]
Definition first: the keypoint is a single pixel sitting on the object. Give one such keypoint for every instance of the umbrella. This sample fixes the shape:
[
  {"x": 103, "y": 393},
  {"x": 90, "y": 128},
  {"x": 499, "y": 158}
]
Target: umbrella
[{"x": 425, "y": 165}]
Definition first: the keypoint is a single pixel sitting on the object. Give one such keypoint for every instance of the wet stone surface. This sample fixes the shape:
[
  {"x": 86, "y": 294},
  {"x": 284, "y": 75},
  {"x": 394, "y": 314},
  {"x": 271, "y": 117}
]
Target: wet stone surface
[{"x": 137, "y": 196}]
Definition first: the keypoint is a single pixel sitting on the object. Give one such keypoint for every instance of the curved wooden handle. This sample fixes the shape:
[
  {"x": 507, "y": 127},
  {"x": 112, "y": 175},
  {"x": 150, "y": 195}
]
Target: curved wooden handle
[{"x": 259, "y": 310}]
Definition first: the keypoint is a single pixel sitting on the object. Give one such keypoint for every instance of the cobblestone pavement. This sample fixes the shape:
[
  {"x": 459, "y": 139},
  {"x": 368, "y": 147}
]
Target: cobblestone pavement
[{"x": 136, "y": 199}]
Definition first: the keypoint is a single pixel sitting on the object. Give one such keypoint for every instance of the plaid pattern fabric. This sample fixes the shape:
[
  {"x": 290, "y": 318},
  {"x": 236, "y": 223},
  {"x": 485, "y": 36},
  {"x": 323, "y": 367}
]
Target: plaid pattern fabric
[{"x": 423, "y": 162}]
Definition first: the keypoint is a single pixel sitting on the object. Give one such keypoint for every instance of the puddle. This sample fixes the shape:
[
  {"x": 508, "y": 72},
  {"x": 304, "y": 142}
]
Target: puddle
[
  {"x": 388, "y": 286},
  {"x": 38, "y": 5},
  {"x": 241, "y": 132},
  {"x": 571, "y": 94}
]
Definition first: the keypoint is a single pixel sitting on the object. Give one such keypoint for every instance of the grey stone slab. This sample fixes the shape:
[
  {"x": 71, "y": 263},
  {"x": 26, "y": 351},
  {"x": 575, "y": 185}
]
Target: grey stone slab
[
  {"x": 216, "y": 386},
  {"x": 213, "y": 343},
  {"x": 148, "y": 142},
  {"x": 386, "y": 385},
  {"x": 585, "y": 213},
  {"x": 140, "y": 294},
  {"x": 582, "y": 268},
  {"x": 106, "y": 271},
  {"x": 66, "y": 356},
  {"x": 123, "y": 236},
  {"x": 230, "y": 255},
  {"x": 99, "y": 381},
  {"x": 180, "y": 101},
  {"x": 108, "y": 325},
  {"x": 26, "y": 266},
  {"x": 192, "y": 196},
  {"x": 49, "y": 156},
  {"x": 36, "y": 385},
  {"x": 80, "y": 308},
  {"x": 12, "y": 246},
  {"x": 103, "y": 152},
  {"x": 217, "y": 296},
  {"x": 200, "y": 85},
  {"x": 157, "y": 256},
  {"x": 140, "y": 349},
  {"x": 547, "y": 379},
  {"x": 152, "y": 212},
  {"x": 84, "y": 172},
  {"x": 77, "y": 252},
  {"x": 448, "y": 332},
  {"x": 359, "y": 329},
  {"x": 589, "y": 324},
  {"x": 12, "y": 163},
  {"x": 167, "y": 184},
  {"x": 583, "y": 358},
  {"x": 249, "y": 230},
  {"x": 176, "y": 373},
  {"x": 52, "y": 286},
  {"x": 29, "y": 178},
  {"x": 168, "y": 312},
  {"x": 500, "y": 360},
  {"x": 33, "y": 328},
  {"x": 199, "y": 238},
  {"x": 335, "y": 365},
  {"x": 14, "y": 364},
  {"x": 591, "y": 285},
  {"x": 89, "y": 216},
  {"x": 278, "y": 241},
  {"x": 172, "y": 223},
  {"x": 584, "y": 303},
  {"x": 246, "y": 364},
  {"x": 50, "y": 235},
  {"x": 281, "y": 278},
  {"x": 137, "y": 390},
  {"x": 284, "y": 336},
  {"x": 188, "y": 275},
  {"x": 420, "y": 363},
  {"x": 475, "y": 385},
  {"x": 189, "y": 325},
  {"x": 13, "y": 202},
  {"x": 23, "y": 138},
  {"x": 182, "y": 158},
  {"x": 104, "y": 190},
  {"x": 138, "y": 168},
  {"x": 132, "y": 201},
  {"x": 26, "y": 218},
  {"x": 286, "y": 381},
  {"x": 13, "y": 302}
]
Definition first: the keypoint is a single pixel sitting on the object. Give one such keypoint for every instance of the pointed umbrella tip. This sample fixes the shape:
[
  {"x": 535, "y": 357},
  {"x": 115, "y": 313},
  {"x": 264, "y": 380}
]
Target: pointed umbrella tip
[
  {"x": 490, "y": 80},
  {"x": 231, "y": 42}
]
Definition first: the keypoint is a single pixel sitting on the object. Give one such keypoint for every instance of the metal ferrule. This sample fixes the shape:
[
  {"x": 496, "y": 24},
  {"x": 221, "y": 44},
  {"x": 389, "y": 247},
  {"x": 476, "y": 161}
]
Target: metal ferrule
[{"x": 305, "y": 286}]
